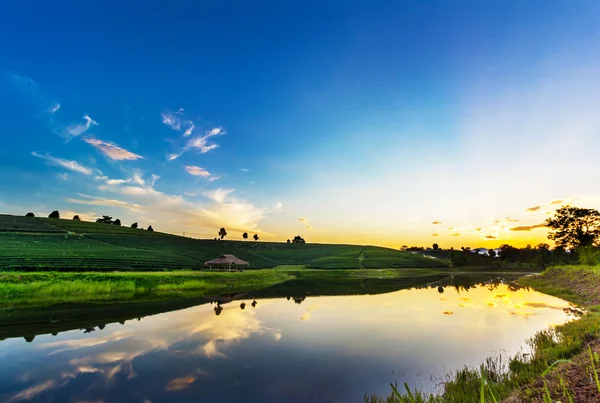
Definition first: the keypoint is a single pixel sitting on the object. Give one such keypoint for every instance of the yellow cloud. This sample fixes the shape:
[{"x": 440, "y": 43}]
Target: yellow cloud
[{"x": 178, "y": 384}]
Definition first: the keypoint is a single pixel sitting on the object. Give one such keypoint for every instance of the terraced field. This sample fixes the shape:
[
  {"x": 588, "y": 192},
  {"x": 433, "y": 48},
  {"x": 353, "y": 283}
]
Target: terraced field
[{"x": 53, "y": 244}]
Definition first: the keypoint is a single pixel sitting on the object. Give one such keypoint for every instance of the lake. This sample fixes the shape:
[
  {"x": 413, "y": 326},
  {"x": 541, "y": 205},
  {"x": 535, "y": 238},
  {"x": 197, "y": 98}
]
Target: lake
[{"x": 291, "y": 343}]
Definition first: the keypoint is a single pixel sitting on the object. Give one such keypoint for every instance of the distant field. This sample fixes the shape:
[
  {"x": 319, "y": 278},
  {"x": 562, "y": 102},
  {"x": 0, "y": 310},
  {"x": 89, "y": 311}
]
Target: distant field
[{"x": 53, "y": 244}]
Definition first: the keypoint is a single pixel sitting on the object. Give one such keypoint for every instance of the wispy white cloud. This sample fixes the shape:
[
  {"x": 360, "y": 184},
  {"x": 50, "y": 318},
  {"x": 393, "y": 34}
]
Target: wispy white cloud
[
  {"x": 218, "y": 195},
  {"x": 137, "y": 178},
  {"x": 197, "y": 171},
  {"x": 109, "y": 181},
  {"x": 200, "y": 143},
  {"x": 112, "y": 151},
  {"x": 215, "y": 131},
  {"x": 54, "y": 108},
  {"x": 21, "y": 79},
  {"x": 214, "y": 178},
  {"x": 100, "y": 201},
  {"x": 67, "y": 164},
  {"x": 244, "y": 169},
  {"x": 63, "y": 177},
  {"x": 154, "y": 179},
  {"x": 188, "y": 132},
  {"x": 77, "y": 129},
  {"x": 171, "y": 120},
  {"x": 174, "y": 156}
]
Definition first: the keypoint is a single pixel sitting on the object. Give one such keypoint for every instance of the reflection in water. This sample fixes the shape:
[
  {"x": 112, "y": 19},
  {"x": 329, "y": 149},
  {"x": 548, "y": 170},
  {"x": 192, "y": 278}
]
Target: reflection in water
[{"x": 328, "y": 348}]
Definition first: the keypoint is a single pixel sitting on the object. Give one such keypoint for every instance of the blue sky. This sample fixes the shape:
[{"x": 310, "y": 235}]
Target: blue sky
[{"x": 362, "y": 122}]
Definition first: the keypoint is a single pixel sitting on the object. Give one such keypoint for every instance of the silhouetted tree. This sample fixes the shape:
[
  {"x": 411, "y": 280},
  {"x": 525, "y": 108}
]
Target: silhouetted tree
[
  {"x": 492, "y": 252},
  {"x": 509, "y": 253},
  {"x": 54, "y": 214},
  {"x": 289, "y": 241},
  {"x": 572, "y": 227},
  {"x": 435, "y": 246},
  {"x": 150, "y": 228},
  {"x": 106, "y": 219},
  {"x": 245, "y": 236},
  {"x": 29, "y": 215},
  {"x": 76, "y": 218},
  {"x": 255, "y": 237},
  {"x": 243, "y": 305},
  {"x": 222, "y": 233},
  {"x": 117, "y": 222},
  {"x": 134, "y": 225},
  {"x": 403, "y": 247},
  {"x": 298, "y": 239}
]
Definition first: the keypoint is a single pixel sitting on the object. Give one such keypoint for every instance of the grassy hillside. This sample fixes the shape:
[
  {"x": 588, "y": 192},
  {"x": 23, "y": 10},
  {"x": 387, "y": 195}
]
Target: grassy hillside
[{"x": 53, "y": 244}]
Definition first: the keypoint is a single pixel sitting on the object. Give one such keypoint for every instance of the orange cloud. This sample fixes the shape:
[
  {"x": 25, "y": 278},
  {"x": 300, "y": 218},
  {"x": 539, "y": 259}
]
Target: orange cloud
[
  {"x": 178, "y": 384},
  {"x": 434, "y": 234},
  {"x": 436, "y": 222},
  {"x": 490, "y": 237},
  {"x": 533, "y": 209},
  {"x": 528, "y": 227},
  {"x": 556, "y": 202}
]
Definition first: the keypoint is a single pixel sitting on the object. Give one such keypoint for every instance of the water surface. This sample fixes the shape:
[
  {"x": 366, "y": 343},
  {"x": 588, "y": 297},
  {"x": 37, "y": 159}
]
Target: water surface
[{"x": 297, "y": 347}]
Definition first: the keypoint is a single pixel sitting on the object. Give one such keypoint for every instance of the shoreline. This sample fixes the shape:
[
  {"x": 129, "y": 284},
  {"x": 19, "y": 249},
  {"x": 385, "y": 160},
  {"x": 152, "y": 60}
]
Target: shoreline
[{"x": 562, "y": 360}]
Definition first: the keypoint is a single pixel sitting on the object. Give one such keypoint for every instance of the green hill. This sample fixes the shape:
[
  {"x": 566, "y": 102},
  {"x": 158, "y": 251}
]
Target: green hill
[{"x": 56, "y": 244}]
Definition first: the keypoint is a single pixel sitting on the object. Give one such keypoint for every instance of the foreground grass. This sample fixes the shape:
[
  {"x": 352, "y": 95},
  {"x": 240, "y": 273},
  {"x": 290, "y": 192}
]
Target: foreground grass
[
  {"x": 562, "y": 366},
  {"x": 45, "y": 288},
  {"x": 39, "y": 288}
]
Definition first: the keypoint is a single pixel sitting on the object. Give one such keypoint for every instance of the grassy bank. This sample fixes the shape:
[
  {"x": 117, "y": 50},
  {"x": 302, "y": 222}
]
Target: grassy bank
[
  {"x": 40, "y": 288},
  {"x": 563, "y": 365},
  {"x": 45, "y": 288}
]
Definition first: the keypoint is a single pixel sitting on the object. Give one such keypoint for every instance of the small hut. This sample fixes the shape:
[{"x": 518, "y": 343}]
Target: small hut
[{"x": 226, "y": 263}]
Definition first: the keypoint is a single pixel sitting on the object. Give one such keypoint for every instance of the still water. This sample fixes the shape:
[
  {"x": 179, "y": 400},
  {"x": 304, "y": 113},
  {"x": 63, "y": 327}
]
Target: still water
[{"x": 294, "y": 348}]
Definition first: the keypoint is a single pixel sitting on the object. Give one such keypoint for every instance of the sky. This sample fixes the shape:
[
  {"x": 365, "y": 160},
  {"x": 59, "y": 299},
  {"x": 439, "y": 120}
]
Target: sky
[{"x": 385, "y": 122}]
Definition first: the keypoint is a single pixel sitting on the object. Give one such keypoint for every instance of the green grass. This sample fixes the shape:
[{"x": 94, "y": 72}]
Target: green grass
[
  {"x": 46, "y": 288},
  {"x": 68, "y": 245}
]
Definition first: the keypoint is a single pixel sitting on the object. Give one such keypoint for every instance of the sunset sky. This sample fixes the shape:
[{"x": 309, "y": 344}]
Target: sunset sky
[{"x": 381, "y": 122}]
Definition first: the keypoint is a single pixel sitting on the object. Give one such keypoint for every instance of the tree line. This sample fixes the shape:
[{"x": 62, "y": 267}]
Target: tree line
[
  {"x": 105, "y": 219},
  {"x": 574, "y": 230}
]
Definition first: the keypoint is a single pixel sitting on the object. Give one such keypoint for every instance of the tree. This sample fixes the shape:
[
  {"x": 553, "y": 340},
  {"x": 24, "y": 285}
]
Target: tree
[
  {"x": 222, "y": 233},
  {"x": 492, "y": 252},
  {"x": 117, "y": 222},
  {"x": 435, "y": 246},
  {"x": 245, "y": 236},
  {"x": 255, "y": 237},
  {"x": 573, "y": 227},
  {"x": 106, "y": 219},
  {"x": 29, "y": 215},
  {"x": 76, "y": 218},
  {"x": 134, "y": 225},
  {"x": 54, "y": 214},
  {"x": 150, "y": 228},
  {"x": 298, "y": 239},
  {"x": 289, "y": 241}
]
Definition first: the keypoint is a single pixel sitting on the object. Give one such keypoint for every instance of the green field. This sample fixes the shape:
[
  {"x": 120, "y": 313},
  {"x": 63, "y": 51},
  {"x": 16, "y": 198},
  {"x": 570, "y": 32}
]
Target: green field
[{"x": 66, "y": 245}]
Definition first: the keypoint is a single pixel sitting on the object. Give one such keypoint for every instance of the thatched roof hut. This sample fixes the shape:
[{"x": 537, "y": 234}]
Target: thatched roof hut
[{"x": 226, "y": 262}]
